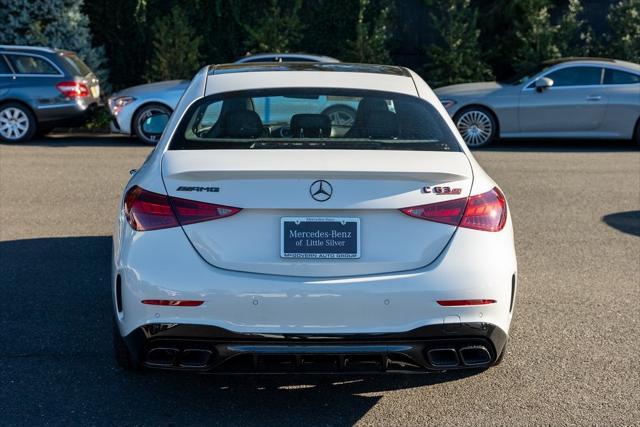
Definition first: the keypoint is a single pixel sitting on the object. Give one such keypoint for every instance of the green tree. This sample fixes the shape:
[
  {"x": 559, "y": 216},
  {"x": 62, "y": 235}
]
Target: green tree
[
  {"x": 623, "y": 39},
  {"x": 573, "y": 35},
  {"x": 278, "y": 30},
  {"x": 175, "y": 47},
  {"x": 53, "y": 23},
  {"x": 536, "y": 37},
  {"x": 372, "y": 36},
  {"x": 455, "y": 56}
]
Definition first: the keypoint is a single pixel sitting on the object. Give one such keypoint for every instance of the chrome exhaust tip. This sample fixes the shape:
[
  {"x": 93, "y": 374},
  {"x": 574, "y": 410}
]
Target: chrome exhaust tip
[
  {"x": 162, "y": 357},
  {"x": 443, "y": 357},
  {"x": 195, "y": 358},
  {"x": 475, "y": 355}
]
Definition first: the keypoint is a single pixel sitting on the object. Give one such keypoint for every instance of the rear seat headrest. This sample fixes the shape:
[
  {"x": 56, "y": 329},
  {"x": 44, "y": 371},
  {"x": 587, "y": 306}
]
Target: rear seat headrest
[
  {"x": 381, "y": 125},
  {"x": 241, "y": 124},
  {"x": 310, "y": 126}
]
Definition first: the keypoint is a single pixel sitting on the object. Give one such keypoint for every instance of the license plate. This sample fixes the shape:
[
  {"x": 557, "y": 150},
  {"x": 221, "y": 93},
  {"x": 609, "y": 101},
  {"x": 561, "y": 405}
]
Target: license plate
[
  {"x": 95, "y": 91},
  {"x": 302, "y": 237}
]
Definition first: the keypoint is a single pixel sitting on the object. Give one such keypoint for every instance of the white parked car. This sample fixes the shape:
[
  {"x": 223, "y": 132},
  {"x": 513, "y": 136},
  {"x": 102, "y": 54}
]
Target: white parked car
[{"x": 248, "y": 244}]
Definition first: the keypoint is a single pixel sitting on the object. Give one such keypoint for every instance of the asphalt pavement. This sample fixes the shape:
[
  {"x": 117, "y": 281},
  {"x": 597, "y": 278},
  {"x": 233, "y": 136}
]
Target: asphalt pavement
[{"x": 572, "y": 357}]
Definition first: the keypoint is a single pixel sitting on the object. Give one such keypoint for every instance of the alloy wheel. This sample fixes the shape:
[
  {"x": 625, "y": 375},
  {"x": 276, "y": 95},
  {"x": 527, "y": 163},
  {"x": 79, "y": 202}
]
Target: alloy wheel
[
  {"x": 475, "y": 127},
  {"x": 14, "y": 123}
]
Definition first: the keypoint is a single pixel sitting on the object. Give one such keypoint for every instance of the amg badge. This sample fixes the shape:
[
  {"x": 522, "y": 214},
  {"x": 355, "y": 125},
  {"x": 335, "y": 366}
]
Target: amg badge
[
  {"x": 199, "y": 189},
  {"x": 441, "y": 191}
]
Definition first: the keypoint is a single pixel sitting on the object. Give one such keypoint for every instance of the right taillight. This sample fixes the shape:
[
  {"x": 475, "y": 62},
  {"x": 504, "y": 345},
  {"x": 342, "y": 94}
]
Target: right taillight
[
  {"x": 486, "y": 211},
  {"x": 147, "y": 211}
]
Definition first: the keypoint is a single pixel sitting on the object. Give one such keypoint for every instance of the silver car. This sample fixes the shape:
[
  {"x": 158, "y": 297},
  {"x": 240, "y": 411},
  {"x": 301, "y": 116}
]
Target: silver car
[
  {"x": 131, "y": 107},
  {"x": 585, "y": 98}
]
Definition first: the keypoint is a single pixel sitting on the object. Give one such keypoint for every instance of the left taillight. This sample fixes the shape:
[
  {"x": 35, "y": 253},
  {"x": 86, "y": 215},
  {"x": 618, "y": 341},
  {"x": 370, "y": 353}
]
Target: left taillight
[
  {"x": 485, "y": 212},
  {"x": 73, "y": 89},
  {"x": 147, "y": 211}
]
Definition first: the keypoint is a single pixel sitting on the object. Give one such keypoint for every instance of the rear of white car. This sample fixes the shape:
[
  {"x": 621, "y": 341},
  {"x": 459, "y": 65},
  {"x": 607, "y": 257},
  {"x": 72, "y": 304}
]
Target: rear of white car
[{"x": 246, "y": 243}]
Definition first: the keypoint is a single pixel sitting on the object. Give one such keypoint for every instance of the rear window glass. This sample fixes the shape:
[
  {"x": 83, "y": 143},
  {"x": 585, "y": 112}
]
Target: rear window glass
[
  {"x": 79, "y": 68},
  {"x": 313, "y": 119},
  {"x": 617, "y": 77},
  {"x": 25, "y": 64}
]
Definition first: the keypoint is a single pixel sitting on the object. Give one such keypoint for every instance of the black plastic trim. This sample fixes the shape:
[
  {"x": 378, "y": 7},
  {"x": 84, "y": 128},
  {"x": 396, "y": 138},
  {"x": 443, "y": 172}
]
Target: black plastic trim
[{"x": 406, "y": 351}]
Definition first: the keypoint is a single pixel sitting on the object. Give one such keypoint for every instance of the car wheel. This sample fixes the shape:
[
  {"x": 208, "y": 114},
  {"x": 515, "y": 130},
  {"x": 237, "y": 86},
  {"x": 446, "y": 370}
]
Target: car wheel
[
  {"x": 143, "y": 114},
  {"x": 121, "y": 351},
  {"x": 477, "y": 126},
  {"x": 340, "y": 115},
  {"x": 637, "y": 133},
  {"x": 17, "y": 123}
]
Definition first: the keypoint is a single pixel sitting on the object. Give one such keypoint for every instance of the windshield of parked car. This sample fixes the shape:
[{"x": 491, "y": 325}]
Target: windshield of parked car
[
  {"x": 524, "y": 76},
  {"x": 313, "y": 118}
]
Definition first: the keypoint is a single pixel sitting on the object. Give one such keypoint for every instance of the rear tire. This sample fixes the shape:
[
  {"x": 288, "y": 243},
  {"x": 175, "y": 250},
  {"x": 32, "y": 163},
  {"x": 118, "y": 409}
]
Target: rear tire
[
  {"x": 17, "y": 123},
  {"x": 141, "y": 115},
  {"x": 477, "y": 126},
  {"x": 121, "y": 351},
  {"x": 637, "y": 133}
]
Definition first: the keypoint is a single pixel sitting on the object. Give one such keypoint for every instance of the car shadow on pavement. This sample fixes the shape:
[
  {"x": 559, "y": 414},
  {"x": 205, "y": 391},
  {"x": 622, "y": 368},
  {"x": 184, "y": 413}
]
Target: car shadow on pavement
[
  {"x": 82, "y": 140},
  {"x": 58, "y": 365},
  {"x": 627, "y": 222},
  {"x": 561, "y": 145}
]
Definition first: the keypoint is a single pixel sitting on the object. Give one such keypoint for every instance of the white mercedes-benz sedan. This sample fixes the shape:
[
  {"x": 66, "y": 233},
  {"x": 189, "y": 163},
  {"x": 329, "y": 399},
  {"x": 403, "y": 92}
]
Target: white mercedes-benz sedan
[{"x": 250, "y": 242}]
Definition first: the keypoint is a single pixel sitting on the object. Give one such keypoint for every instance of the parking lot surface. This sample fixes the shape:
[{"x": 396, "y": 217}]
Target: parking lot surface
[{"x": 572, "y": 356}]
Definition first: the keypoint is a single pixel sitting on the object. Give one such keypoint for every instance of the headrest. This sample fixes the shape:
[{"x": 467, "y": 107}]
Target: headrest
[
  {"x": 241, "y": 124},
  {"x": 310, "y": 126},
  {"x": 381, "y": 125},
  {"x": 366, "y": 105}
]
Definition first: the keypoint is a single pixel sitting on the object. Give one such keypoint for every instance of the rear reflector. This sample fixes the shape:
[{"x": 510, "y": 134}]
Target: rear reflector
[
  {"x": 174, "y": 303},
  {"x": 146, "y": 211},
  {"x": 458, "y": 302},
  {"x": 486, "y": 212}
]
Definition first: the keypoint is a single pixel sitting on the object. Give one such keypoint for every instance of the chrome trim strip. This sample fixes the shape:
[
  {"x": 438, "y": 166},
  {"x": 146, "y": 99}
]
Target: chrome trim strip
[{"x": 47, "y": 106}]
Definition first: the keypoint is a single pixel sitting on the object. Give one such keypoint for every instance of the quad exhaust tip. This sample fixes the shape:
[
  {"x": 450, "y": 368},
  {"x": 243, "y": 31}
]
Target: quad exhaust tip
[
  {"x": 169, "y": 357},
  {"x": 443, "y": 357},
  {"x": 475, "y": 355},
  {"x": 469, "y": 356}
]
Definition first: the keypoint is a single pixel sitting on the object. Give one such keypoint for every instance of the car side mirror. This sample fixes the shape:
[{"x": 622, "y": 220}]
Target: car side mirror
[
  {"x": 155, "y": 124},
  {"x": 543, "y": 83}
]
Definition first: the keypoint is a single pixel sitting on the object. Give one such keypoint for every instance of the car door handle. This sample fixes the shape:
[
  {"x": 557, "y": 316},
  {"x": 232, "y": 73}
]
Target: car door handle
[{"x": 594, "y": 98}]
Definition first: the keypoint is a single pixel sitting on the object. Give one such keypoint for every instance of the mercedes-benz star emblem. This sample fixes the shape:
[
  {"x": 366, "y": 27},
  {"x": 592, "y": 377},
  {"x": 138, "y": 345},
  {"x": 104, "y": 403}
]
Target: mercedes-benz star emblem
[{"x": 321, "y": 190}]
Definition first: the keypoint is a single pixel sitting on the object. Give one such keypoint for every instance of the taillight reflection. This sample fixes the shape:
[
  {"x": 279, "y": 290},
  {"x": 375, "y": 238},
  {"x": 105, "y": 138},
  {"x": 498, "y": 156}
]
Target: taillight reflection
[
  {"x": 145, "y": 210},
  {"x": 486, "y": 211}
]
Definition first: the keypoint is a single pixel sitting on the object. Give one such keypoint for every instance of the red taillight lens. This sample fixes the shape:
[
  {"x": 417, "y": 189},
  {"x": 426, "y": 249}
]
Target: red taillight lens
[
  {"x": 146, "y": 211},
  {"x": 449, "y": 212},
  {"x": 191, "y": 211},
  {"x": 173, "y": 303},
  {"x": 73, "y": 89},
  {"x": 460, "y": 302},
  {"x": 486, "y": 212}
]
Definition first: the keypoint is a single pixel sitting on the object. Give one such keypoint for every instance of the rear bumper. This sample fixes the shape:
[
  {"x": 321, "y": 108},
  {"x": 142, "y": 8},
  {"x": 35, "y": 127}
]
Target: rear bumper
[
  {"x": 70, "y": 114},
  {"x": 212, "y": 349}
]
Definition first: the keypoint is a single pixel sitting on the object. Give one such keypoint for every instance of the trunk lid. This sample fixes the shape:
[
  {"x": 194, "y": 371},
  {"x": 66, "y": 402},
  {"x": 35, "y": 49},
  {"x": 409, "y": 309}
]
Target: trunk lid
[{"x": 269, "y": 185}]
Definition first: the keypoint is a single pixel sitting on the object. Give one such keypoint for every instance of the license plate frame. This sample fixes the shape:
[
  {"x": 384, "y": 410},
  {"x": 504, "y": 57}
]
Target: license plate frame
[{"x": 317, "y": 226}]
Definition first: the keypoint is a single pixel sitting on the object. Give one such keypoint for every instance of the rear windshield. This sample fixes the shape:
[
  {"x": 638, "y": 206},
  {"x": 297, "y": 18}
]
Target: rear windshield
[
  {"x": 313, "y": 119},
  {"x": 79, "y": 68}
]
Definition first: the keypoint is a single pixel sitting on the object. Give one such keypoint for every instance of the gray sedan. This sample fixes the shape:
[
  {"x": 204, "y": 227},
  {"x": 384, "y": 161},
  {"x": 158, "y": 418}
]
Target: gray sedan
[{"x": 584, "y": 98}]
